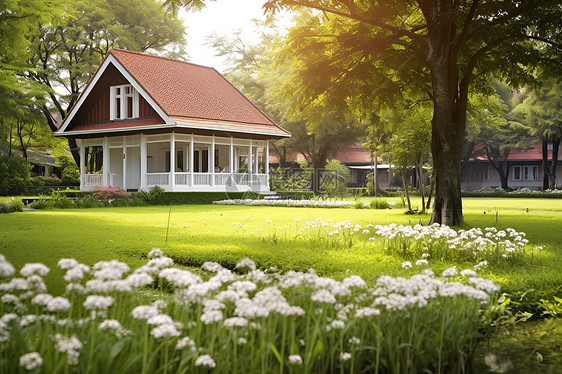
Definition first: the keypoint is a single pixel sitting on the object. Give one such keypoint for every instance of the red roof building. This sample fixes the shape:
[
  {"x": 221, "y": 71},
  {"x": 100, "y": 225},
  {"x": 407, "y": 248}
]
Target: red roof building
[{"x": 138, "y": 110}]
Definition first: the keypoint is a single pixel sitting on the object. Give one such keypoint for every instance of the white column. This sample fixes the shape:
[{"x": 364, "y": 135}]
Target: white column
[
  {"x": 256, "y": 161},
  {"x": 191, "y": 153},
  {"x": 267, "y": 163},
  {"x": 173, "y": 161},
  {"x": 105, "y": 161},
  {"x": 143, "y": 156},
  {"x": 125, "y": 164},
  {"x": 212, "y": 163},
  {"x": 82, "y": 163},
  {"x": 250, "y": 161},
  {"x": 231, "y": 156}
]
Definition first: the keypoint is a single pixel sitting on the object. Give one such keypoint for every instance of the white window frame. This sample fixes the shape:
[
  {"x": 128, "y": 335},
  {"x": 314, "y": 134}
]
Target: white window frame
[
  {"x": 120, "y": 113},
  {"x": 524, "y": 172}
]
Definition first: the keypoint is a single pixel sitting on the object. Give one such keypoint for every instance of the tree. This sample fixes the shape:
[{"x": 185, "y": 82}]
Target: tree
[
  {"x": 541, "y": 113},
  {"x": 443, "y": 47},
  {"x": 493, "y": 129},
  {"x": 254, "y": 70},
  {"x": 68, "y": 50}
]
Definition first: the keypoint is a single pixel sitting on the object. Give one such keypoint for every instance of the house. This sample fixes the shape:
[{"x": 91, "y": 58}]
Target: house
[
  {"x": 525, "y": 170},
  {"x": 146, "y": 121}
]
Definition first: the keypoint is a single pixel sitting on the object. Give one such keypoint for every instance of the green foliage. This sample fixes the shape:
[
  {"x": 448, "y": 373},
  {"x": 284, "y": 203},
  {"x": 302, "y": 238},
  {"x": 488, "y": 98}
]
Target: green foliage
[
  {"x": 513, "y": 194},
  {"x": 379, "y": 204},
  {"x": 358, "y": 205},
  {"x": 14, "y": 174},
  {"x": 15, "y": 205},
  {"x": 154, "y": 196},
  {"x": 177, "y": 198},
  {"x": 296, "y": 195}
]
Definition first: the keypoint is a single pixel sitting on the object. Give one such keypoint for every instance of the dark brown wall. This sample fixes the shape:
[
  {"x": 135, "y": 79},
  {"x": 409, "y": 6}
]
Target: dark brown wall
[{"x": 95, "y": 108}]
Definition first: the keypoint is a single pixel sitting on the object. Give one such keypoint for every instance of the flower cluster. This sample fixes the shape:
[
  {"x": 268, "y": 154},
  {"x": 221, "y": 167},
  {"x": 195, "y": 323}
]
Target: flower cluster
[{"x": 222, "y": 318}]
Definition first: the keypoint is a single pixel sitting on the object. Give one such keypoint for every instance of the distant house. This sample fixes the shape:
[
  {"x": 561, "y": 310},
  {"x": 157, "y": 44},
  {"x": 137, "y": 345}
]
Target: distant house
[
  {"x": 525, "y": 171},
  {"x": 147, "y": 121}
]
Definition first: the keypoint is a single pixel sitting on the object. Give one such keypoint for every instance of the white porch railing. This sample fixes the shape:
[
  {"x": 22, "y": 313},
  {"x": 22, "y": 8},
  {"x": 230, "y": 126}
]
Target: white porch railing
[
  {"x": 91, "y": 181},
  {"x": 183, "y": 179},
  {"x": 202, "y": 179},
  {"x": 158, "y": 179}
]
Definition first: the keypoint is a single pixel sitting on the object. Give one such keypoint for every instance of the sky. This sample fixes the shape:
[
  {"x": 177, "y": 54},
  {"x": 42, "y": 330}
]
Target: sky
[{"x": 222, "y": 17}]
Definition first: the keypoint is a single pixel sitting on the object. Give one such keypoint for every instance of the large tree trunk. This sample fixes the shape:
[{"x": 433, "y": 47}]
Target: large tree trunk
[{"x": 448, "y": 123}]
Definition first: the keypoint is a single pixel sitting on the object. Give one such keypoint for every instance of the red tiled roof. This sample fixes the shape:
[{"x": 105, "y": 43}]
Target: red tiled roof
[
  {"x": 353, "y": 153},
  {"x": 191, "y": 91},
  {"x": 534, "y": 153}
]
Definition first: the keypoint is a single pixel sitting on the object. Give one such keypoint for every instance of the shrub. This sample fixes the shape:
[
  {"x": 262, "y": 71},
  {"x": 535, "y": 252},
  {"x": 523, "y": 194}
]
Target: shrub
[
  {"x": 110, "y": 193},
  {"x": 296, "y": 195},
  {"x": 177, "y": 198},
  {"x": 14, "y": 174},
  {"x": 15, "y": 205},
  {"x": 358, "y": 205},
  {"x": 44, "y": 203},
  {"x": 379, "y": 204},
  {"x": 153, "y": 196}
]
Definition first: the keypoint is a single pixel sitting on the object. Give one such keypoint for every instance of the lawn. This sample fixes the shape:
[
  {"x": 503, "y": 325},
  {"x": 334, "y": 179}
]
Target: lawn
[
  {"x": 275, "y": 237},
  {"x": 226, "y": 234}
]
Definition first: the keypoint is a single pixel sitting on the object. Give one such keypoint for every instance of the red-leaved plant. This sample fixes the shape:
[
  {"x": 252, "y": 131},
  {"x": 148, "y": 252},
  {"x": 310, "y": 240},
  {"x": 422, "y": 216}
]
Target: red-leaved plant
[{"x": 110, "y": 193}]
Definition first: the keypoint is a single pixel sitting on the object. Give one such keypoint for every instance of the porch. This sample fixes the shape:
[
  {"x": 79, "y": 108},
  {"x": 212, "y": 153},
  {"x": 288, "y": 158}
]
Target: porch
[{"x": 199, "y": 163}]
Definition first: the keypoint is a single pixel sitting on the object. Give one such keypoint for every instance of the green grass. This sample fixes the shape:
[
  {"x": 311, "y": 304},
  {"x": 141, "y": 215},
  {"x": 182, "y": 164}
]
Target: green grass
[{"x": 226, "y": 234}]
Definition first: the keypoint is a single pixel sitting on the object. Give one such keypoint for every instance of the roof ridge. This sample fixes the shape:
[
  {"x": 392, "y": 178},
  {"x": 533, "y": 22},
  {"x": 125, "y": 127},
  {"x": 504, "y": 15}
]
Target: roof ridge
[{"x": 144, "y": 54}]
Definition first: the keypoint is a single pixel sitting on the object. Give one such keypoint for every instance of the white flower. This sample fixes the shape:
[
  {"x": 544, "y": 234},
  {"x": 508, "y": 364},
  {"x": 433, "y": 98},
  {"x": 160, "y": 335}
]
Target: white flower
[
  {"x": 164, "y": 331},
  {"x": 76, "y": 273},
  {"x": 110, "y": 270},
  {"x": 205, "y": 361},
  {"x": 354, "y": 281},
  {"x": 58, "y": 304},
  {"x": 212, "y": 267},
  {"x": 246, "y": 263},
  {"x": 421, "y": 262},
  {"x": 345, "y": 356},
  {"x": 450, "y": 272},
  {"x": 406, "y": 264},
  {"x": 211, "y": 316},
  {"x": 144, "y": 311},
  {"x": 139, "y": 280},
  {"x": 354, "y": 340},
  {"x": 235, "y": 322},
  {"x": 480, "y": 265},
  {"x": 155, "y": 253},
  {"x": 35, "y": 268},
  {"x": 70, "y": 346},
  {"x": 186, "y": 342},
  {"x": 295, "y": 359},
  {"x": 31, "y": 361},
  {"x": 160, "y": 319},
  {"x": 468, "y": 273},
  {"x": 323, "y": 296},
  {"x": 98, "y": 302},
  {"x": 28, "y": 320},
  {"x": 75, "y": 287},
  {"x": 242, "y": 341},
  {"x": 6, "y": 270},
  {"x": 113, "y": 326},
  {"x": 67, "y": 263}
]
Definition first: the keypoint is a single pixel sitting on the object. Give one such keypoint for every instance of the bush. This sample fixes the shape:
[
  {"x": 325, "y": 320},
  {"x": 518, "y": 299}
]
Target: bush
[
  {"x": 110, "y": 193},
  {"x": 358, "y": 205},
  {"x": 379, "y": 204},
  {"x": 11, "y": 206},
  {"x": 14, "y": 174},
  {"x": 153, "y": 196},
  {"x": 177, "y": 198}
]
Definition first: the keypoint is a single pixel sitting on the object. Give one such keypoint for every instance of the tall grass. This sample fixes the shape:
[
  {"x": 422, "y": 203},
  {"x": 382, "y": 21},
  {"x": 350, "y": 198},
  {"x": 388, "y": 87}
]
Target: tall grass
[{"x": 160, "y": 319}]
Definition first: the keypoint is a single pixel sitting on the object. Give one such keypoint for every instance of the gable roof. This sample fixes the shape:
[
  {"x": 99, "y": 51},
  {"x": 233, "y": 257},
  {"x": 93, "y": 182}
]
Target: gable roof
[
  {"x": 184, "y": 95},
  {"x": 532, "y": 153}
]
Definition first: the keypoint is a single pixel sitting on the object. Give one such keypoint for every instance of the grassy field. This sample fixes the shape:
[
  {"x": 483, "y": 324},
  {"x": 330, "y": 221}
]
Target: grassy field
[
  {"x": 226, "y": 234},
  {"x": 192, "y": 234}
]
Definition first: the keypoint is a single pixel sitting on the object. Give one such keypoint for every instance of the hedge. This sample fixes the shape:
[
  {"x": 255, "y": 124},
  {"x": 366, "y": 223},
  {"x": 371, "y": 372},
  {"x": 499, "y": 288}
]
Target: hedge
[
  {"x": 295, "y": 195},
  {"x": 525, "y": 195},
  {"x": 177, "y": 198}
]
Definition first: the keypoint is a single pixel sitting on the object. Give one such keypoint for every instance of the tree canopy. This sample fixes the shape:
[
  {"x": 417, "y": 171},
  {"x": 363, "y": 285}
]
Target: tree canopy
[{"x": 353, "y": 54}]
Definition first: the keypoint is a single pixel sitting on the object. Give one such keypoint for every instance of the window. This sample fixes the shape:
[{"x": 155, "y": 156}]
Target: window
[
  {"x": 526, "y": 172},
  {"x": 124, "y": 102},
  {"x": 485, "y": 174}
]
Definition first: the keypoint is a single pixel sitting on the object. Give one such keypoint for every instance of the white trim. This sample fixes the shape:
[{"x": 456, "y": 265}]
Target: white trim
[
  {"x": 163, "y": 126},
  {"x": 110, "y": 59}
]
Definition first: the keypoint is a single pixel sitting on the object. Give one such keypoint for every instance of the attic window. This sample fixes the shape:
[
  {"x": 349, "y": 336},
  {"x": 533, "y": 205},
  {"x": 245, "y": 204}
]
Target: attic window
[{"x": 124, "y": 102}]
